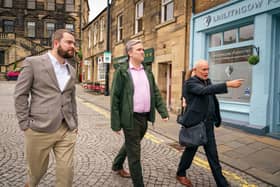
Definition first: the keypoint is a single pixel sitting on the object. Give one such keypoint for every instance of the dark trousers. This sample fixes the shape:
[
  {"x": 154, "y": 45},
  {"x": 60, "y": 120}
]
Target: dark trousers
[
  {"x": 212, "y": 156},
  {"x": 132, "y": 149}
]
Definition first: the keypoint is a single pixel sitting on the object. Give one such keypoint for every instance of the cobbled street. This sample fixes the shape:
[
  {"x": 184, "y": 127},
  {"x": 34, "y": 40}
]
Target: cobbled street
[{"x": 96, "y": 147}]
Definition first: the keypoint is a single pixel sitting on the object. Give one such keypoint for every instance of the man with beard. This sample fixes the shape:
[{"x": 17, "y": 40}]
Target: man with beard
[{"x": 46, "y": 109}]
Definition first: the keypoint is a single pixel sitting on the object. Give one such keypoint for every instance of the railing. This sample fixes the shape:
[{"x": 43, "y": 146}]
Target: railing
[
  {"x": 3, "y": 68},
  {"x": 35, "y": 48},
  {"x": 8, "y": 36},
  {"x": 9, "y": 67}
]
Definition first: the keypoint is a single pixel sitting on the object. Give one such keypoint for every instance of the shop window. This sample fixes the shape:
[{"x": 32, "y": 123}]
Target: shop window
[
  {"x": 8, "y": 26},
  {"x": 216, "y": 40},
  {"x": 50, "y": 5},
  {"x": 139, "y": 16},
  {"x": 101, "y": 69},
  {"x": 167, "y": 9},
  {"x": 50, "y": 27},
  {"x": 231, "y": 63},
  {"x": 69, "y": 27},
  {"x": 8, "y": 3},
  {"x": 31, "y": 4},
  {"x": 69, "y": 5},
  {"x": 236, "y": 35},
  {"x": 230, "y": 36},
  {"x": 120, "y": 28},
  {"x": 31, "y": 29},
  {"x": 246, "y": 33}
]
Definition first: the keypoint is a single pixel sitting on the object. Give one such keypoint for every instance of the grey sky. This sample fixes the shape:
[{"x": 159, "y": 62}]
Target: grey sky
[{"x": 96, "y": 6}]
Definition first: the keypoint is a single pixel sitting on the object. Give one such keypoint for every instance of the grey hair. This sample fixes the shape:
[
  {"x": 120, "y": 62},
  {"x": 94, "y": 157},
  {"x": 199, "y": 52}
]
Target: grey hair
[{"x": 130, "y": 44}]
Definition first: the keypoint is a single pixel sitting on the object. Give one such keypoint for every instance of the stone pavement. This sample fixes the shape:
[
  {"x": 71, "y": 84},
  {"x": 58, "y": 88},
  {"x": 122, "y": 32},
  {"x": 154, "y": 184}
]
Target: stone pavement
[
  {"x": 255, "y": 155},
  {"x": 97, "y": 145}
]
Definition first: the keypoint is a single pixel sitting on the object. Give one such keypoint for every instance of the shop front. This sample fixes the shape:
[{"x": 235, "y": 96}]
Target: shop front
[
  {"x": 227, "y": 36},
  {"x": 148, "y": 60}
]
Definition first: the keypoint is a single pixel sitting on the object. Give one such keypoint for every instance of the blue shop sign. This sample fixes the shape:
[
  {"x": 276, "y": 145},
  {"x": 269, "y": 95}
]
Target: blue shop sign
[{"x": 233, "y": 11}]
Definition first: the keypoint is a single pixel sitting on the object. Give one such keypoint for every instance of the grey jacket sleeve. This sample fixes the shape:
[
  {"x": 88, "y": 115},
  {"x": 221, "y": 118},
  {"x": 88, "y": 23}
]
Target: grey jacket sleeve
[{"x": 21, "y": 94}]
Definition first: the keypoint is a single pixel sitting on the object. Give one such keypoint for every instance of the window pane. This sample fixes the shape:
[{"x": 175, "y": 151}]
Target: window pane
[
  {"x": 232, "y": 64},
  {"x": 139, "y": 10},
  {"x": 8, "y": 3},
  {"x": 69, "y": 27},
  {"x": 31, "y": 29},
  {"x": 216, "y": 40},
  {"x": 120, "y": 20},
  {"x": 119, "y": 36},
  {"x": 246, "y": 33},
  {"x": 101, "y": 71},
  {"x": 139, "y": 25},
  {"x": 230, "y": 36},
  {"x": 8, "y": 26},
  {"x": 31, "y": 4},
  {"x": 50, "y": 29},
  {"x": 50, "y": 4},
  {"x": 169, "y": 11},
  {"x": 69, "y": 5}
]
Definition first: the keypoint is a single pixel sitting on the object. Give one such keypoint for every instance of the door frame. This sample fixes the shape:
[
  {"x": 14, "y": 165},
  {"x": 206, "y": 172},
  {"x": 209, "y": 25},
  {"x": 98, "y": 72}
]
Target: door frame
[{"x": 274, "y": 119}]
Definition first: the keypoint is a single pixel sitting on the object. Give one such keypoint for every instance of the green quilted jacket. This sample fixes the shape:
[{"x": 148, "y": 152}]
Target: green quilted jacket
[{"x": 122, "y": 99}]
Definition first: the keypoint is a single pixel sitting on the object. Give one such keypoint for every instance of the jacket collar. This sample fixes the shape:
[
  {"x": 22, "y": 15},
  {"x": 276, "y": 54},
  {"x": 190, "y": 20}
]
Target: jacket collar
[{"x": 202, "y": 81}]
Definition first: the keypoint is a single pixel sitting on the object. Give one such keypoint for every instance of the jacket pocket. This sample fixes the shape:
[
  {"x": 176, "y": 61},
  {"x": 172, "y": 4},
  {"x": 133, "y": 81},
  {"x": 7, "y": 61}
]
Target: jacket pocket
[
  {"x": 35, "y": 110},
  {"x": 192, "y": 117}
]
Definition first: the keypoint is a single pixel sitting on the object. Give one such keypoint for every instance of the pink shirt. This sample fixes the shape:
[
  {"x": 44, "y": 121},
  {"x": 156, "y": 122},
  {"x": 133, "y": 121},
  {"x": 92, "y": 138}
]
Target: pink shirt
[{"x": 142, "y": 95}]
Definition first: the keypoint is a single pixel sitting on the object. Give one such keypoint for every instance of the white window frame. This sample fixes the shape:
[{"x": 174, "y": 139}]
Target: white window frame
[
  {"x": 164, "y": 4},
  {"x": 119, "y": 27},
  {"x": 69, "y": 26},
  {"x": 8, "y": 3},
  {"x": 47, "y": 26},
  {"x": 89, "y": 38},
  {"x": 139, "y": 15},
  {"x": 101, "y": 29},
  {"x": 95, "y": 34},
  {"x": 50, "y": 5},
  {"x": 28, "y": 27},
  {"x": 31, "y": 4},
  {"x": 69, "y": 5},
  {"x": 101, "y": 71}
]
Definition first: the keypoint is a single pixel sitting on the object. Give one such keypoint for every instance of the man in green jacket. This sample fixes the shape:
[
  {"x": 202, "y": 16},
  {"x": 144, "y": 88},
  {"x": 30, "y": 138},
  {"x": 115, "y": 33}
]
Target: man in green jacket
[{"x": 134, "y": 97}]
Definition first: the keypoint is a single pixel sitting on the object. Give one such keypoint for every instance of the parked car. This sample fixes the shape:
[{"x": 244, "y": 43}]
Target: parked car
[{"x": 13, "y": 75}]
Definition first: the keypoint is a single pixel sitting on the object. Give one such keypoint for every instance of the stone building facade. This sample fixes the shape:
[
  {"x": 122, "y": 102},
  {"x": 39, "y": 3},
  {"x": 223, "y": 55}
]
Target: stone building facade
[
  {"x": 26, "y": 26},
  {"x": 94, "y": 45},
  {"x": 164, "y": 28}
]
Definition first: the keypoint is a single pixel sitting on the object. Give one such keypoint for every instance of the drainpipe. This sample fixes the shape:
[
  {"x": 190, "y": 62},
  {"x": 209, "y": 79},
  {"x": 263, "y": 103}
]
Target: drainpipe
[
  {"x": 185, "y": 55},
  {"x": 106, "y": 91},
  {"x": 193, "y": 6}
]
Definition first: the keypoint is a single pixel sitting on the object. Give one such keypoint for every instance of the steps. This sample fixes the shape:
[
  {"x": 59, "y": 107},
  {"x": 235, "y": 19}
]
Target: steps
[{"x": 3, "y": 77}]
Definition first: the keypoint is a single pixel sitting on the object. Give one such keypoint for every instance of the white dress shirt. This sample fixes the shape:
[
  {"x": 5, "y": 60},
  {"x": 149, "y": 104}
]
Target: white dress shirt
[{"x": 61, "y": 71}]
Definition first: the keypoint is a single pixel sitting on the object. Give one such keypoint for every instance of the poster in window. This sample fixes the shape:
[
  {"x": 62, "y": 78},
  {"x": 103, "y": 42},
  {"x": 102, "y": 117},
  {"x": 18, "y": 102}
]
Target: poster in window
[{"x": 232, "y": 64}]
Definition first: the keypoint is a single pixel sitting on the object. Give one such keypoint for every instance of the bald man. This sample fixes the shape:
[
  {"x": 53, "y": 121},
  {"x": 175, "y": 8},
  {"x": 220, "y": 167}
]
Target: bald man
[{"x": 203, "y": 106}]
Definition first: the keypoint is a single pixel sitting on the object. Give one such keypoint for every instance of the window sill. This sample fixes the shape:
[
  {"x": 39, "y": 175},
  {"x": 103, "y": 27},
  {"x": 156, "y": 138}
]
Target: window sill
[
  {"x": 137, "y": 34},
  {"x": 173, "y": 20},
  {"x": 119, "y": 42}
]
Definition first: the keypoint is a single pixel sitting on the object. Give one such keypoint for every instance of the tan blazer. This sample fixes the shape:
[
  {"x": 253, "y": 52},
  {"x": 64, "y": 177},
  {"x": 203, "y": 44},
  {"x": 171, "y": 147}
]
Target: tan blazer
[{"x": 39, "y": 103}]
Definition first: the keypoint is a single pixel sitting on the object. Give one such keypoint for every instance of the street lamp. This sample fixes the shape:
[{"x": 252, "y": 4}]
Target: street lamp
[{"x": 106, "y": 91}]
